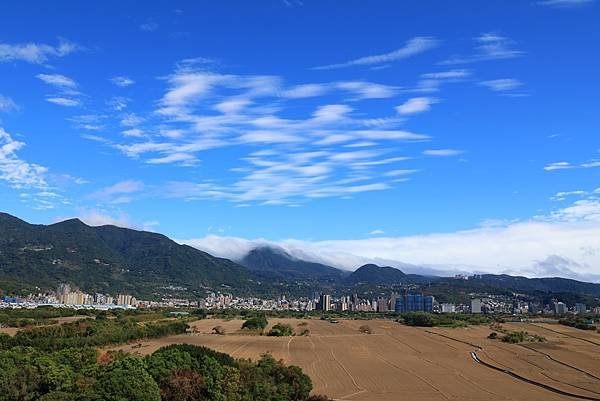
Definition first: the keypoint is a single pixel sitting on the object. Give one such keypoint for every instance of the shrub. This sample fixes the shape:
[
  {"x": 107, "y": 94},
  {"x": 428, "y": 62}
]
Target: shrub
[
  {"x": 365, "y": 329},
  {"x": 220, "y": 330},
  {"x": 281, "y": 330},
  {"x": 255, "y": 323}
]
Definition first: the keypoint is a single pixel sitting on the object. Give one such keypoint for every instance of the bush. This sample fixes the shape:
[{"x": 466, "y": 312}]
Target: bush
[
  {"x": 365, "y": 329},
  {"x": 255, "y": 323},
  {"x": 220, "y": 330},
  {"x": 418, "y": 319},
  {"x": 281, "y": 330},
  {"x": 578, "y": 323},
  {"x": 515, "y": 337},
  {"x": 493, "y": 335}
]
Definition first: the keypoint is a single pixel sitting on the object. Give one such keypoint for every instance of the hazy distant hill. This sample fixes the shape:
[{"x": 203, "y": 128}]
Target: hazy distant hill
[
  {"x": 276, "y": 262},
  {"x": 108, "y": 258}
]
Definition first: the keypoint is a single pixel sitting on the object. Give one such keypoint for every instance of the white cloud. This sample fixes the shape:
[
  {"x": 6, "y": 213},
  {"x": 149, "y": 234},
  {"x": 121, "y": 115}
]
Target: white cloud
[
  {"x": 58, "y": 80},
  {"x": 367, "y": 90},
  {"x": 567, "y": 165},
  {"x": 305, "y": 90},
  {"x": 149, "y": 26},
  {"x": 15, "y": 171},
  {"x": 377, "y": 232},
  {"x": 558, "y": 166},
  {"x": 502, "y": 85},
  {"x": 581, "y": 210},
  {"x": 7, "y": 104},
  {"x": 566, "y": 244},
  {"x": 122, "y": 81},
  {"x": 63, "y": 101},
  {"x": 68, "y": 93},
  {"x": 560, "y": 196},
  {"x": 490, "y": 46},
  {"x": 565, "y": 3},
  {"x": 443, "y": 152},
  {"x": 114, "y": 193},
  {"x": 446, "y": 75},
  {"x": 202, "y": 109},
  {"x": 98, "y": 217},
  {"x": 35, "y": 53},
  {"x": 411, "y": 48},
  {"x": 131, "y": 120},
  {"x": 415, "y": 105}
]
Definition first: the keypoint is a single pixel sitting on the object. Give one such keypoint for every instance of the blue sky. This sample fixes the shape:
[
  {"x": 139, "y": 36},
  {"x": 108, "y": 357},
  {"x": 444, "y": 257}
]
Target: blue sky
[{"x": 325, "y": 124}]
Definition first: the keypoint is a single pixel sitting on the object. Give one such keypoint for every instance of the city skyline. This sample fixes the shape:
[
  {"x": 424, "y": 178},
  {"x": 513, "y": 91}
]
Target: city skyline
[{"x": 343, "y": 134}]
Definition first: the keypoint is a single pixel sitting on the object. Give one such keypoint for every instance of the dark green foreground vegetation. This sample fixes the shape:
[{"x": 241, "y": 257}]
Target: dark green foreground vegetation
[
  {"x": 177, "y": 372},
  {"x": 422, "y": 319},
  {"x": 62, "y": 363},
  {"x": 578, "y": 322}
]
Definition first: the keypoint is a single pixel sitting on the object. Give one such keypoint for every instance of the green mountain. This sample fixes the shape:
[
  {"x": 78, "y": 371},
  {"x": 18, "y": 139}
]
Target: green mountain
[
  {"x": 376, "y": 275},
  {"x": 275, "y": 262},
  {"x": 111, "y": 259}
]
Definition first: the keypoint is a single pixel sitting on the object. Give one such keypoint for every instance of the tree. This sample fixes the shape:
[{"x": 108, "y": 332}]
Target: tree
[
  {"x": 255, "y": 323},
  {"x": 166, "y": 360},
  {"x": 127, "y": 380},
  {"x": 183, "y": 385}
]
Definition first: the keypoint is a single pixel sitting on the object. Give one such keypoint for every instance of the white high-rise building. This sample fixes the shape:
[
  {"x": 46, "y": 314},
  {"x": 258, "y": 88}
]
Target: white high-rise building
[
  {"x": 476, "y": 305},
  {"x": 560, "y": 308}
]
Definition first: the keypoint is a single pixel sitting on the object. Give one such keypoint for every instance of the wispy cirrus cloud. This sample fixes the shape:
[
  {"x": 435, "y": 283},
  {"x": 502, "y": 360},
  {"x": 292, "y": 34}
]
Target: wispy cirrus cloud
[
  {"x": 68, "y": 94},
  {"x": 502, "y": 85},
  {"x": 564, "y": 165},
  {"x": 121, "y": 192},
  {"x": 7, "y": 104},
  {"x": 330, "y": 147},
  {"x": 36, "y": 53},
  {"x": 411, "y": 48},
  {"x": 122, "y": 81},
  {"x": 565, "y": 3},
  {"x": 416, "y": 105},
  {"x": 490, "y": 46},
  {"x": 443, "y": 152}
]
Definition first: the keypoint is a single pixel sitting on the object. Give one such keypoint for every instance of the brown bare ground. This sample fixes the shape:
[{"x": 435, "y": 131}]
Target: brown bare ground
[{"x": 405, "y": 363}]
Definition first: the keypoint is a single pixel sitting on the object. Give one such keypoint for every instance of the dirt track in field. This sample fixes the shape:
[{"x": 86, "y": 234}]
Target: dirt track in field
[{"x": 405, "y": 363}]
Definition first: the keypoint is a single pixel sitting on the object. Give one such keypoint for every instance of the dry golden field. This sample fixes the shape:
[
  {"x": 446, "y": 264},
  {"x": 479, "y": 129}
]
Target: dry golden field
[{"x": 405, "y": 363}]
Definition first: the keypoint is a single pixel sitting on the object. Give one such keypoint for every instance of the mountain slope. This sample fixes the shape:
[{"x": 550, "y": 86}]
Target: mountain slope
[
  {"x": 109, "y": 259},
  {"x": 376, "y": 275},
  {"x": 275, "y": 262}
]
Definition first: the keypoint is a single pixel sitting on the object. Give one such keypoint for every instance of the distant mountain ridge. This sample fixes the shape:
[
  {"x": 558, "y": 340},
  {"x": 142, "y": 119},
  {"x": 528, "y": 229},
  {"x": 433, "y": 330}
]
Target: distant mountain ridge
[
  {"x": 146, "y": 264},
  {"x": 277, "y": 262},
  {"x": 108, "y": 258}
]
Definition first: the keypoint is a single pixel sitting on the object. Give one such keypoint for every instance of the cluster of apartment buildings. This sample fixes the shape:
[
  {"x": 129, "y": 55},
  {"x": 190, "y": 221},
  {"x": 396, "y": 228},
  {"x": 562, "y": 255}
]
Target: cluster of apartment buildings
[
  {"x": 75, "y": 298},
  {"x": 399, "y": 303},
  {"x": 491, "y": 305}
]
